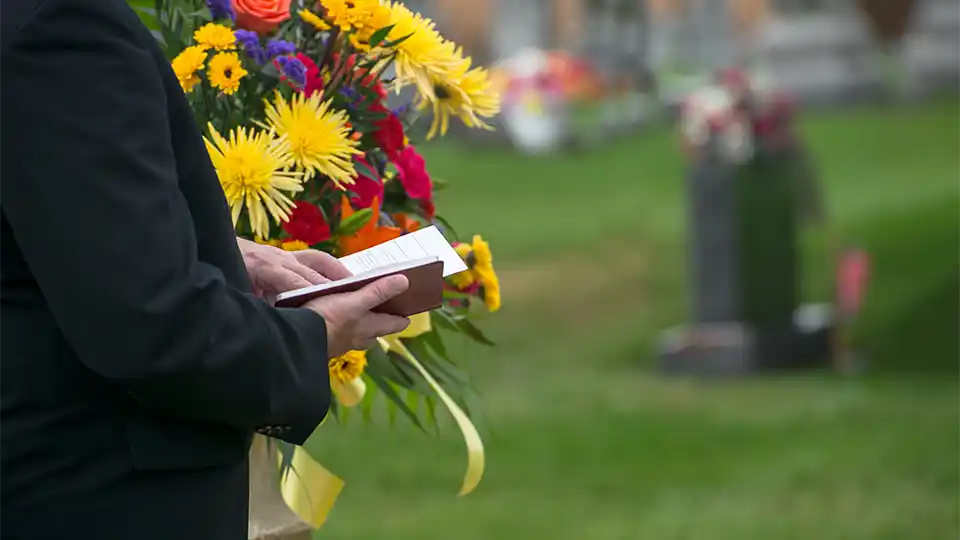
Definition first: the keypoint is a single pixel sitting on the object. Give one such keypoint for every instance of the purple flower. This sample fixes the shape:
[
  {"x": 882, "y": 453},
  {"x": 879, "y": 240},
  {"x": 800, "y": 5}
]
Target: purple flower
[
  {"x": 293, "y": 69},
  {"x": 279, "y": 47},
  {"x": 250, "y": 42},
  {"x": 221, "y": 9}
]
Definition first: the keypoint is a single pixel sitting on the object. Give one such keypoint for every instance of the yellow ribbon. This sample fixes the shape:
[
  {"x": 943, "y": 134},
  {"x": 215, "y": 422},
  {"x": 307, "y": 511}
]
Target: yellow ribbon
[
  {"x": 475, "y": 454},
  {"x": 311, "y": 491},
  {"x": 419, "y": 324}
]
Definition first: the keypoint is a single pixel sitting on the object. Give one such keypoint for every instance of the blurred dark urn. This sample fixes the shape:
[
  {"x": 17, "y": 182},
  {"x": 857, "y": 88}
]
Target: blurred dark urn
[{"x": 889, "y": 19}]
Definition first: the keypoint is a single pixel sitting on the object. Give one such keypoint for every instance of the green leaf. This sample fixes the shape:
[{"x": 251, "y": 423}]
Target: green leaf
[
  {"x": 448, "y": 229},
  {"x": 380, "y": 35},
  {"x": 435, "y": 341},
  {"x": 366, "y": 406},
  {"x": 413, "y": 401},
  {"x": 343, "y": 414},
  {"x": 393, "y": 397},
  {"x": 475, "y": 333},
  {"x": 432, "y": 412},
  {"x": 395, "y": 42},
  {"x": 366, "y": 170},
  {"x": 390, "y": 368},
  {"x": 355, "y": 222}
]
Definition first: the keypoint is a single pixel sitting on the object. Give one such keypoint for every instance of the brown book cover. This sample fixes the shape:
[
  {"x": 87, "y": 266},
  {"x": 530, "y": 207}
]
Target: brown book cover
[{"x": 424, "y": 294}]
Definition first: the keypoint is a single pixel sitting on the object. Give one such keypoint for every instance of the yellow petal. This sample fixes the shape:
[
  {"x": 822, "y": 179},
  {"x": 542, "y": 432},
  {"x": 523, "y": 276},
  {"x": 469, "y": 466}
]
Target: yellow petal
[{"x": 350, "y": 393}]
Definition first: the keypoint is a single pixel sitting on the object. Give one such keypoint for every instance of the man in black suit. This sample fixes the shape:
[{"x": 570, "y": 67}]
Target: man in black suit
[{"x": 136, "y": 362}]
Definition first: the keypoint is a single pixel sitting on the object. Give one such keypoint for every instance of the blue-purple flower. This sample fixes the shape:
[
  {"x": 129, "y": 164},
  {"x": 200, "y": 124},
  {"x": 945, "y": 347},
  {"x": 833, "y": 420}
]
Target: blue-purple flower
[
  {"x": 221, "y": 9},
  {"x": 279, "y": 47},
  {"x": 293, "y": 69},
  {"x": 250, "y": 42}
]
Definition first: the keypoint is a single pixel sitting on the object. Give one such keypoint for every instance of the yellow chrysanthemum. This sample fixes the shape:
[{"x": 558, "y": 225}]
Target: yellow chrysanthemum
[
  {"x": 314, "y": 20},
  {"x": 294, "y": 245},
  {"x": 347, "y": 367},
  {"x": 187, "y": 64},
  {"x": 318, "y": 135},
  {"x": 423, "y": 56},
  {"x": 215, "y": 36},
  {"x": 225, "y": 71},
  {"x": 253, "y": 170},
  {"x": 463, "y": 93}
]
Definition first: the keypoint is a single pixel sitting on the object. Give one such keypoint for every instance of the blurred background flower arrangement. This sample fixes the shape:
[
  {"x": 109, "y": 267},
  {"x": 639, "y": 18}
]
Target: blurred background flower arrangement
[{"x": 293, "y": 105}]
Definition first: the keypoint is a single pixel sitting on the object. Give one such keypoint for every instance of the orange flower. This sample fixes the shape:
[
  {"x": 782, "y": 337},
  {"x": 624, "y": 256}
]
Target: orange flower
[
  {"x": 406, "y": 223},
  {"x": 371, "y": 234},
  {"x": 261, "y": 16}
]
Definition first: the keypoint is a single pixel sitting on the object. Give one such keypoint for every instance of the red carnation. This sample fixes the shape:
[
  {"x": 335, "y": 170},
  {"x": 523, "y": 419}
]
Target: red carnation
[
  {"x": 428, "y": 209},
  {"x": 314, "y": 80},
  {"x": 307, "y": 224},
  {"x": 412, "y": 171},
  {"x": 389, "y": 133},
  {"x": 365, "y": 189}
]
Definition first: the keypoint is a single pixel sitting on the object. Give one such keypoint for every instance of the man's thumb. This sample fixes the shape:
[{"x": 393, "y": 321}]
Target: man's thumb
[{"x": 379, "y": 292}]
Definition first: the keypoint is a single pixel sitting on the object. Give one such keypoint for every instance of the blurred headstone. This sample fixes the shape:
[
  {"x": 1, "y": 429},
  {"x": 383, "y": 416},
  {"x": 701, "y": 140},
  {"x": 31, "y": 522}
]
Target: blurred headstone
[{"x": 746, "y": 166}]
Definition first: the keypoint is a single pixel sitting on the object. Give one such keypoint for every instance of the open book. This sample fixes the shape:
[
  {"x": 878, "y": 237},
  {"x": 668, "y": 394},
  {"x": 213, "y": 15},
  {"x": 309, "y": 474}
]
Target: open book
[{"x": 424, "y": 257}]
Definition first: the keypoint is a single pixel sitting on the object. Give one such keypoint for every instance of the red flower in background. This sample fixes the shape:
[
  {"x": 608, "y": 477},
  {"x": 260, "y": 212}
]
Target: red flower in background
[
  {"x": 428, "y": 209},
  {"x": 365, "y": 189},
  {"x": 389, "y": 133},
  {"x": 412, "y": 171},
  {"x": 307, "y": 224},
  {"x": 314, "y": 80}
]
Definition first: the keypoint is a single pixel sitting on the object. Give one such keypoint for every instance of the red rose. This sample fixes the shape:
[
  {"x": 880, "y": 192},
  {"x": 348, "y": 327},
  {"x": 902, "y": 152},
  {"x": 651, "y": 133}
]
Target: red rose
[
  {"x": 365, "y": 189},
  {"x": 307, "y": 224},
  {"x": 412, "y": 171},
  {"x": 261, "y": 16}
]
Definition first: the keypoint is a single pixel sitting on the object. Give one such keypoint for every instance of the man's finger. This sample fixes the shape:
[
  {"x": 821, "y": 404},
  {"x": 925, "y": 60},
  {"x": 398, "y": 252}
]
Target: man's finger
[
  {"x": 376, "y": 294},
  {"x": 376, "y": 325},
  {"x": 323, "y": 263},
  {"x": 279, "y": 279},
  {"x": 309, "y": 274}
]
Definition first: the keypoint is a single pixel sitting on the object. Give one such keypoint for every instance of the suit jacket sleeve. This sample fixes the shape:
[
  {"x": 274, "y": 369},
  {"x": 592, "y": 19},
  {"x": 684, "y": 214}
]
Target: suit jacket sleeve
[{"x": 93, "y": 200}]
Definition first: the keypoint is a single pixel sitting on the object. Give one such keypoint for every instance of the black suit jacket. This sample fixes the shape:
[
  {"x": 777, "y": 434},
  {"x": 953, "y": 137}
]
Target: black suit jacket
[{"x": 136, "y": 365}]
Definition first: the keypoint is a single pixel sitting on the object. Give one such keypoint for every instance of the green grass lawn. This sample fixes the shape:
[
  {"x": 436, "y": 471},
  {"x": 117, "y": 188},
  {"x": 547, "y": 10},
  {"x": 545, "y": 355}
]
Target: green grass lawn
[{"x": 587, "y": 442}]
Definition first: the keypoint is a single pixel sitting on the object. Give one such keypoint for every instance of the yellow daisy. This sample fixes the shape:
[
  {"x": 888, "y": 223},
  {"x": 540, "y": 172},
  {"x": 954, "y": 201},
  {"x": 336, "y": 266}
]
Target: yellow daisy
[
  {"x": 347, "y": 367},
  {"x": 464, "y": 93},
  {"x": 318, "y": 135},
  {"x": 187, "y": 64},
  {"x": 225, "y": 71},
  {"x": 215, "y": 36},
  {"x": 294, "y": 245},
  {"x": 479, "y": 259},
  {"x": 253, "y": 170},
  {"x": 424, "y": 54},
  {"x": 314, "y": 20}
]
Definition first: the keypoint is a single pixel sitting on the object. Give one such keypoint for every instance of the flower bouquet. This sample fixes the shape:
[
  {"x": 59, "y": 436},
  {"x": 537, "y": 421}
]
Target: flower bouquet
[{"x": 295, "y": 105}]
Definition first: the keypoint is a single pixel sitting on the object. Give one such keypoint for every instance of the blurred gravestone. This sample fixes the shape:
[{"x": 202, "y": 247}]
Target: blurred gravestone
[{"x": 748, "y": 185}]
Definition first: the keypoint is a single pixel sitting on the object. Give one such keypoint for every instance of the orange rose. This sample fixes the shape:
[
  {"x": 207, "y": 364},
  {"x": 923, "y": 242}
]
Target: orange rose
[{"x": 261, "y": 16}]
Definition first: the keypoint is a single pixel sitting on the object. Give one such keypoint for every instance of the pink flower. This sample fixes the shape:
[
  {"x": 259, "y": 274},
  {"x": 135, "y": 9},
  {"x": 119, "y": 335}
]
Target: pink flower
[{"x": 412, "y": 171}]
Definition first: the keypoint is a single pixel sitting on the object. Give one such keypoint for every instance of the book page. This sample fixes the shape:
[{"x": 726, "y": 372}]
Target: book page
[{"x": 421, "y": 244}]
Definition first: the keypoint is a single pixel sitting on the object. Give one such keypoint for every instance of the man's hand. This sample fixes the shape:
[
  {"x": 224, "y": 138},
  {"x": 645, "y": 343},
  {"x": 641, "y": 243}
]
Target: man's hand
[
  {"x": 351, "y": 326},
  {"x": 273, "y": 270}
]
